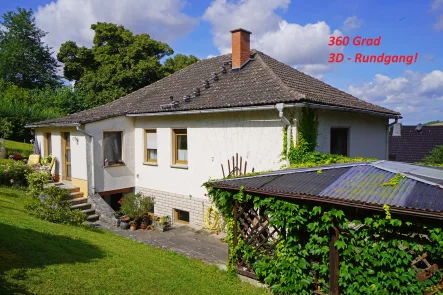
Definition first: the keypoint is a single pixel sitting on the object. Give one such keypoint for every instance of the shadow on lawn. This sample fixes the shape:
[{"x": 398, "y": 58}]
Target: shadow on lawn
[{"x": 21, "y": 249}]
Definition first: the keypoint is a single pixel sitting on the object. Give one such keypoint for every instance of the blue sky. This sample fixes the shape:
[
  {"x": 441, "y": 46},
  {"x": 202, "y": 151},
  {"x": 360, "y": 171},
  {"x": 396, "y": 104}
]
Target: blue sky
[{"x": 294, "y": 32}]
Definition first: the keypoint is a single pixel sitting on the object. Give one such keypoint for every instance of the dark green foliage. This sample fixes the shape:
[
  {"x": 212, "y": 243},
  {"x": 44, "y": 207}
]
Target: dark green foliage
[
  {"x": 24, "y": 59},
  {"x": 20, "y": 106},
  {"x": 436, "y": 156},
  {"x": 178, "y": 62},
  {"x": 376, "y": 251},
  {"x": 118, "y": 63},
  {"x": 136, "y": 205},
  {"x": 36, "y": 182},
  {"x": 50, "y": 206},
  {"x": 13, "y": 173}
]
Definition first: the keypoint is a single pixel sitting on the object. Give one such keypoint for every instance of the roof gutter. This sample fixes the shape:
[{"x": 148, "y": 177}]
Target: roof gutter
[
  {"x": 346, "y": 109},
  {"x": 211, "y": 111},
  {"x": 53, "y": 125},
  {"x": 260, "y": 108},
  {"x": 319, "y": 199}
]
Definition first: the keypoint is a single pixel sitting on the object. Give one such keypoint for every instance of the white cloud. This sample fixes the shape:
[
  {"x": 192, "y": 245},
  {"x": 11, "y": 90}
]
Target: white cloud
[
  {"x": 71, "y": 19},
  {"x": 303, "y": 46},
  {"x": 436, "y": 4},
  {"x": 352, "y": 23},
  {"x": 418, "y": 96}
]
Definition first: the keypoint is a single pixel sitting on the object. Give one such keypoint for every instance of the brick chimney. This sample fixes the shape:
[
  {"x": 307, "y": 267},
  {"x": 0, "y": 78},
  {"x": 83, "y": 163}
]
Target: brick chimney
[{"x": 240, "y": 48}]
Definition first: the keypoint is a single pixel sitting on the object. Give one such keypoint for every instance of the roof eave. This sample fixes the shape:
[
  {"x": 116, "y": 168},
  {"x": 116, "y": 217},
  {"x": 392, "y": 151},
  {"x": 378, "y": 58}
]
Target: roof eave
[
  {"x": 338, "y": 108},
  {"x": 327, "y": 200},
  {"x": 37, "y": 125}
]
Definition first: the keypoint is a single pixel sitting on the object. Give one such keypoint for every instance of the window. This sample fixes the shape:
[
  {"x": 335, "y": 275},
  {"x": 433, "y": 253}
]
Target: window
[
  {"x": 112, "y": 147},
  {"x": 48, "y": 144},
  {"x": 151, "y": 146},
  {"x": 180, "y": 141},
  {"x": 181, "y": 216},
  {"x": 339, "y": 141}
]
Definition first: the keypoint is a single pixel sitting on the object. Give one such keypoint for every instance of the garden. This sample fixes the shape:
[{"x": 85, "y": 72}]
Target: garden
[{"x": 136, "y": 212}]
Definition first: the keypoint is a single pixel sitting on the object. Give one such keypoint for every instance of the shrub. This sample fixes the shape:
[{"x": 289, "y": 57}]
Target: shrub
[
  {"x": 50, "y": 206},
  {"x": 146, "y": 205},
  {"x": 36, "y": 181},
  {"x": 136, "y": 205},
  {"x": 435, "y": 157},
  {"x": 13, "y": 172}
]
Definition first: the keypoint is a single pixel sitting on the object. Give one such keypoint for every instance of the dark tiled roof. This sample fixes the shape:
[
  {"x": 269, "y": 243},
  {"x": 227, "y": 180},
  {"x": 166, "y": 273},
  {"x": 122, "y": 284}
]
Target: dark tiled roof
[
  {"x": 413, "y": 146},
  {"x": 262, "y": 81},
  {"x": 353, "y": 184}
]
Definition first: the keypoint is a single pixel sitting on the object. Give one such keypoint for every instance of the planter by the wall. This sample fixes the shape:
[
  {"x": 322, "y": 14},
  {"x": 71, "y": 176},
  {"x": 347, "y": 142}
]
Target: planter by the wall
[{"x": 124, "y": 224}]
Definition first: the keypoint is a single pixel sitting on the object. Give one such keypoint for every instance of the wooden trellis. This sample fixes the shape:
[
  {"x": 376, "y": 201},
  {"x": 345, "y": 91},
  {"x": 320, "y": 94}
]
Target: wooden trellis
[
  {"x": 237, "y": 167},
  {"x": 255, "y": 231}
]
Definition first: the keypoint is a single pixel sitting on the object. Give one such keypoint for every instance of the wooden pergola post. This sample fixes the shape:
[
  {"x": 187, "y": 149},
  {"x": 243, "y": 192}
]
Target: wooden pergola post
[{"x": 333, "y": 263}]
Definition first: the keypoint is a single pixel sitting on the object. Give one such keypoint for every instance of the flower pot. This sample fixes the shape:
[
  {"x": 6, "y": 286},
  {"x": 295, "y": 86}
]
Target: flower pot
[
  {"x": 133, "y": 227},
  {"x": 124, "y": 224},
  {"x": 144, "y": 225}
]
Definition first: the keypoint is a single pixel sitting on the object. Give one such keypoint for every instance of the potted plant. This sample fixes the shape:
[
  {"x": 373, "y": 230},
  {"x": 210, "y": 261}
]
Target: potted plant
[
  {"x": 133, "y": 225},
  {"x": 146, "y": 221},
  {"x": 124, "y": 222},
  {"x": 162, "y": 223}
]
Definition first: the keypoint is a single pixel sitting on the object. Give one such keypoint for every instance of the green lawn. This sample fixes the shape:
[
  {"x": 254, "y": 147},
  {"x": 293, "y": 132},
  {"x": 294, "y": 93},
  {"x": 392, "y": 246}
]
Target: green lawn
[
  {"x": 15, "y": 145},
  {"x": 38, "y": 257}
]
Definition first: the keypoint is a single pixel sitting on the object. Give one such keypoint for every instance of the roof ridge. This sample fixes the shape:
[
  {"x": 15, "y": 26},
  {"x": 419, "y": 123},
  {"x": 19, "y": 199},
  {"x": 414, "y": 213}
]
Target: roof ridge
[
  {"x": 276, "y": 77},
  {"x": 345, "y": 94}
]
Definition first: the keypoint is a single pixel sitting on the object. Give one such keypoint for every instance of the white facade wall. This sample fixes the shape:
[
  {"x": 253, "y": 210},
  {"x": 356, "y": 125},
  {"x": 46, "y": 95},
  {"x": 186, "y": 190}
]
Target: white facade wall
[
  {"x": 212, "y": 139},
  {"x": 78, "y": 148},
  {"x": 113, "y": 177},
  {"x": 367, "y": 134}
]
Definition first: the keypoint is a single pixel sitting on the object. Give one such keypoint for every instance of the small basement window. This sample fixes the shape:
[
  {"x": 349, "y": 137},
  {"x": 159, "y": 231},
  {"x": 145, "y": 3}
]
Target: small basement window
[
  {"x": 339, "y": 141},
  {"x": 112, "y": 147},
  {"x": 151, "y": 146},
  {"x": 181, "y": 216}
]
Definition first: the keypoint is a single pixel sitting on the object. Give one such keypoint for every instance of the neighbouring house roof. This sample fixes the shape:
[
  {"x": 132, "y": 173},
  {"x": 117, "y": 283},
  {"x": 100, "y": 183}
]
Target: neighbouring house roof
[
  {"x": 354, "y": 184},
  {"x": 262, "y": 81},
  {"x": 412, "y": 145}
]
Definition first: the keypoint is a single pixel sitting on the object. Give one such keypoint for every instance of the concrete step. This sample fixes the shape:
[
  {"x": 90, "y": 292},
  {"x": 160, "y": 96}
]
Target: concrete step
[
  {"x": 81, "y": 206},
  {"x": 75, "y": 195},
  {"x": 66, "y": 186},
  {"x": 89, "y": 212},
  {"x": 77, "y": 201},
  {"x": 92, "y": 218}
]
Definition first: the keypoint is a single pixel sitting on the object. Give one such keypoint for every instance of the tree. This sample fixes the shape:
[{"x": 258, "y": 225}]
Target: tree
[
  {"x": 118, "y": 63},
  {"x": 24, "y": 59},
  {"x": 178, "y": 62}
]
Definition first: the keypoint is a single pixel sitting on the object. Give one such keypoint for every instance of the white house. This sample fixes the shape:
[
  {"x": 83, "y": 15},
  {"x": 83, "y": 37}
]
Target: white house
[{"x": 170, "y": 137}]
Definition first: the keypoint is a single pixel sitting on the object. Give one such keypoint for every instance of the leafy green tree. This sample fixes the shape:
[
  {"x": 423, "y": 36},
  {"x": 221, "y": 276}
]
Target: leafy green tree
[
  {"x": 118, "y": 63},
  {"x": 24, "y": 59},
  {"x": 178, "y": 62}
]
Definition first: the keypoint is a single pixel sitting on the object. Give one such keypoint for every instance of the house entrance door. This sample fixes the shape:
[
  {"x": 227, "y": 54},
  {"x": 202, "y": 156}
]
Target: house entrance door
[{"x": 67, "y": 155}]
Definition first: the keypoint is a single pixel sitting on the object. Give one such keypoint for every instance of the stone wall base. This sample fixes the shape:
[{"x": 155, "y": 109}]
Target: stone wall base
[{"x": 166, "y": 202}]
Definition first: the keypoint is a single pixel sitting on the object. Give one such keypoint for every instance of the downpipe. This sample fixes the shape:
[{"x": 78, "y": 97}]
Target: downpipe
[
  {"x": 280, "y": 107},
  {"x": 387, "y": 136}
]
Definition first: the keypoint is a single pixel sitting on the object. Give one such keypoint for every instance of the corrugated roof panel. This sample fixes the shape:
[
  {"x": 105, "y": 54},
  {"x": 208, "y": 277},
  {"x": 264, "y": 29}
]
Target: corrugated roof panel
[
  {"x": 304, "y": 183},
  {"x": 359, "y": 184},
  {"x": 364, "y": 184}
]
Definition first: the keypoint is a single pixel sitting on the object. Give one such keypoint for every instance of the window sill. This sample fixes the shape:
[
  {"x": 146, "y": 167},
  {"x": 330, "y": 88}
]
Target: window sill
[
  {"x": 114, "y": 165},
  {"x": 150, "y": 163},
  {"x": 179, "y": 166}
]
